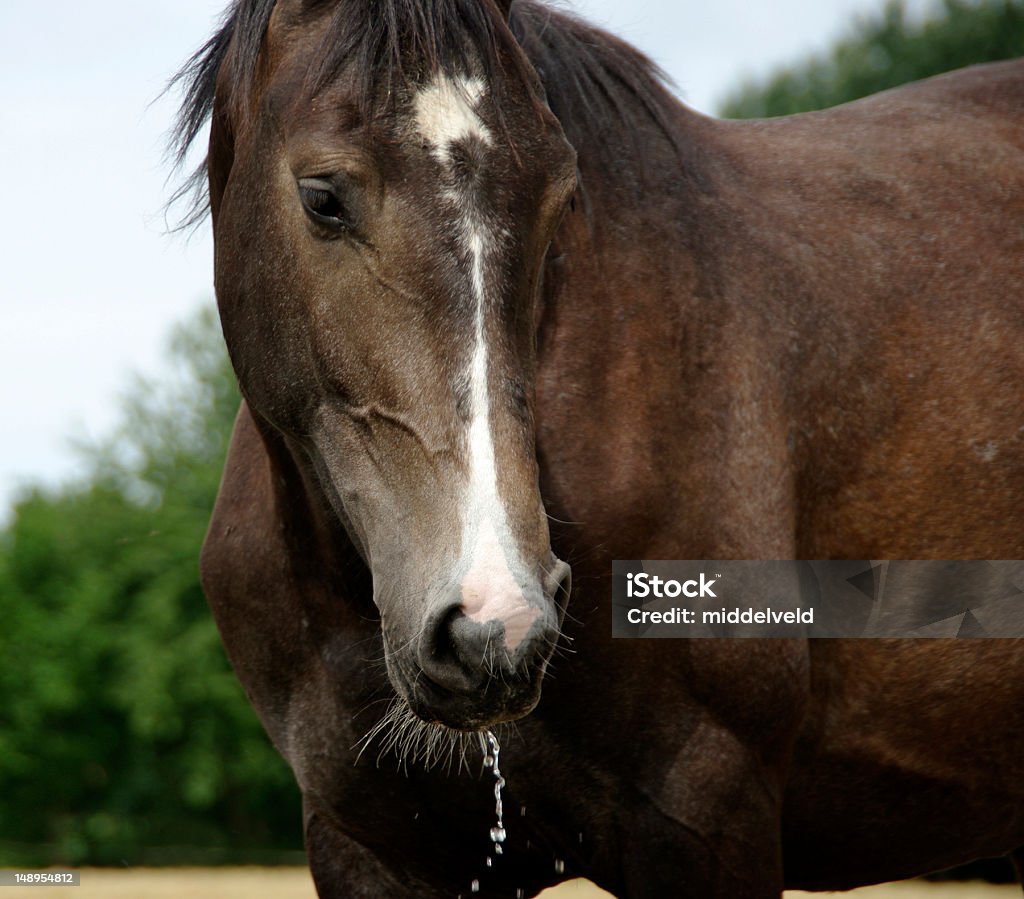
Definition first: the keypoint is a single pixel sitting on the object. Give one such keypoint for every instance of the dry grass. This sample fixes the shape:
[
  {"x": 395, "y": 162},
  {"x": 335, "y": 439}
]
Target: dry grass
[
  {"x": 913, "y": 889},
  {"x": 295, "y": 883}
]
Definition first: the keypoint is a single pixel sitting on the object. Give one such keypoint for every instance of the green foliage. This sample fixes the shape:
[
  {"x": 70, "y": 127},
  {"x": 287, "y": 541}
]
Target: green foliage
[
  {"x": 124, "y": 734},
  {"x": 886, "y": 50}
]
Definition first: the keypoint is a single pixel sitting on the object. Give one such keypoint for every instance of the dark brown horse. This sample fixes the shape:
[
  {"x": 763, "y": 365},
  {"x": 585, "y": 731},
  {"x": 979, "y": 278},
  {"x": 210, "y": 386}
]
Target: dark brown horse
[{"x": 478, "y": 271}]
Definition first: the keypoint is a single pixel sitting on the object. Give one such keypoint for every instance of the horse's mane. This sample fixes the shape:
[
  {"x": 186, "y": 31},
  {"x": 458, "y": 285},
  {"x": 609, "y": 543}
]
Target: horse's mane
[
  {"x": 590, "y": 76},
  {"x": 596, "y": 83}
]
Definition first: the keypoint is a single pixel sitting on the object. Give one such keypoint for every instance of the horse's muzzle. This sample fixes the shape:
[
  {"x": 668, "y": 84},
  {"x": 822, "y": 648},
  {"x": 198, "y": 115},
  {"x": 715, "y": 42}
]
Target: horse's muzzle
[{"x": 481, "y": 664}]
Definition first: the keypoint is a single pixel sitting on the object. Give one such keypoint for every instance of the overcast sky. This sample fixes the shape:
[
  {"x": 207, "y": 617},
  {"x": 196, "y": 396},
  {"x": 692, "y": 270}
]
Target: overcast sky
[{"x": 91, "y": 283}]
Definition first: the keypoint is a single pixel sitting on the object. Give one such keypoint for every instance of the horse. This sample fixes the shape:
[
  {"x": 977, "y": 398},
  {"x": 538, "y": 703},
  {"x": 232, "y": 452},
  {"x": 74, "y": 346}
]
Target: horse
[{"x": 498, "y": 303}]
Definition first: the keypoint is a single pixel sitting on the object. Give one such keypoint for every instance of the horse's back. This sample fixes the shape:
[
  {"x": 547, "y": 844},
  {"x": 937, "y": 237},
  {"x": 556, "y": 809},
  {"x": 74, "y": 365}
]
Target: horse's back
[
  {"x": 981, "y": 95},
  {"x": 935, "y": 161},
  {"x": 995, "y": 88}
]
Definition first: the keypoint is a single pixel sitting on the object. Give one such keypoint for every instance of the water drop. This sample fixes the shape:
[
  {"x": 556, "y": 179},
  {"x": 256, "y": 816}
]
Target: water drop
[
  {"x": 490, "y": 861},
  {"x": 474, "y": 887},
  {"x": 581, "y": 839},
  {"x": 520, "y": 893},
  {"x": 559, "y": 866},
  {"x": 491, "y": 761},
  {"x": 522, "y": 811}
]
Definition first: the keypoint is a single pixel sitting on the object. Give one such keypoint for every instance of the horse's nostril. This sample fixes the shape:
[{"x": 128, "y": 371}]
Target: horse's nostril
[
  {"x": 440, "y": 642},
  {"x": 559, "y": 583},
  {"x": 564, "y": 590},
  {"x": 442, "y": 655},
  {"x": 487, "y": 638},
  {"x": 485, "y": 665}
]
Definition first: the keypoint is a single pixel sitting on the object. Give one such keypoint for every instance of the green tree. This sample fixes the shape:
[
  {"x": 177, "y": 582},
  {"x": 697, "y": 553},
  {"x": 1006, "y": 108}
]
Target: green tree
[
  {"x": 124, "y": 734},
  {"x": 885, "y": 50}
]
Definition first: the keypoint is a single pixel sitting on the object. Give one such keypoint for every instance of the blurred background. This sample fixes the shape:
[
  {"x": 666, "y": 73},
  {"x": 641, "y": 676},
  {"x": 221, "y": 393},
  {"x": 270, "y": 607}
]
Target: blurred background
[{"x": 124, "y": 737}]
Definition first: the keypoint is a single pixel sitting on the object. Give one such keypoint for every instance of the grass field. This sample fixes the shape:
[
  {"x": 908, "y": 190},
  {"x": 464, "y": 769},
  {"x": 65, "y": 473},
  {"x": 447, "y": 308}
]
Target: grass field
[{"x": 295, "y": 883}]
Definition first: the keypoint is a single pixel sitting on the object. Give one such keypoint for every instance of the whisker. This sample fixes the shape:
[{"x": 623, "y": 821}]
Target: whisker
[{"x": 411, "y": 740}]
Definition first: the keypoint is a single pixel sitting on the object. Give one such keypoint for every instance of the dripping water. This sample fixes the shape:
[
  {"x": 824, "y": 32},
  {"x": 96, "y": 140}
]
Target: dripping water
[
  {"x": 491, "y": 761},
  {"x": 492, "y": 751}
]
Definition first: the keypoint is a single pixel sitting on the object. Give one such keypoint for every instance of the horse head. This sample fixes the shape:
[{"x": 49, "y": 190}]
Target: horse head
[{"x": 383, "y": 196}]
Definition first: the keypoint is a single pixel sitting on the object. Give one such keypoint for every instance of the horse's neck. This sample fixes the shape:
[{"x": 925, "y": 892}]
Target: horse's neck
[{"x": 638, "y": 220}]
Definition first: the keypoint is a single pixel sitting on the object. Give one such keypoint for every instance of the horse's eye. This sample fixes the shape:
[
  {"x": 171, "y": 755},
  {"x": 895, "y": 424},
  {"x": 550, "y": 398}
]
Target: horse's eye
[{"x": 321, "y": 201}]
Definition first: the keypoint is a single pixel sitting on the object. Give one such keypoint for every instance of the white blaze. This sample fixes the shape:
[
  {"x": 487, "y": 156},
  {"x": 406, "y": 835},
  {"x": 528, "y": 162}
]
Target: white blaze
[{"x": 446, "y": 112}]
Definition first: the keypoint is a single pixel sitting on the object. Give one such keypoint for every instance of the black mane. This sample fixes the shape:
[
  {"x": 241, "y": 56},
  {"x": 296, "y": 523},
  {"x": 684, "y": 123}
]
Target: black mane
[
  {"x": 595, "y": 82},
  {"x": 590, "y": 76}
]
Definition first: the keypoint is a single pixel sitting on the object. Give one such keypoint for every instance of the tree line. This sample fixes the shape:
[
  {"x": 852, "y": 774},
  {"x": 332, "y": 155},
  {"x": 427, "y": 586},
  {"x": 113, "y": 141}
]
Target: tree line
[{"x": 124, "y": 734}]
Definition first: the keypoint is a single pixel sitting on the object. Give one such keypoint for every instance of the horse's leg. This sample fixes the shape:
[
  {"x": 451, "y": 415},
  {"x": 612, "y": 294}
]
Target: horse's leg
[
  {"x": 710, "y": 831},
  {"x": 742, "y": 863},
  {"x": 342, "y": 869},
  {"x": 706, "y": 822}
]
